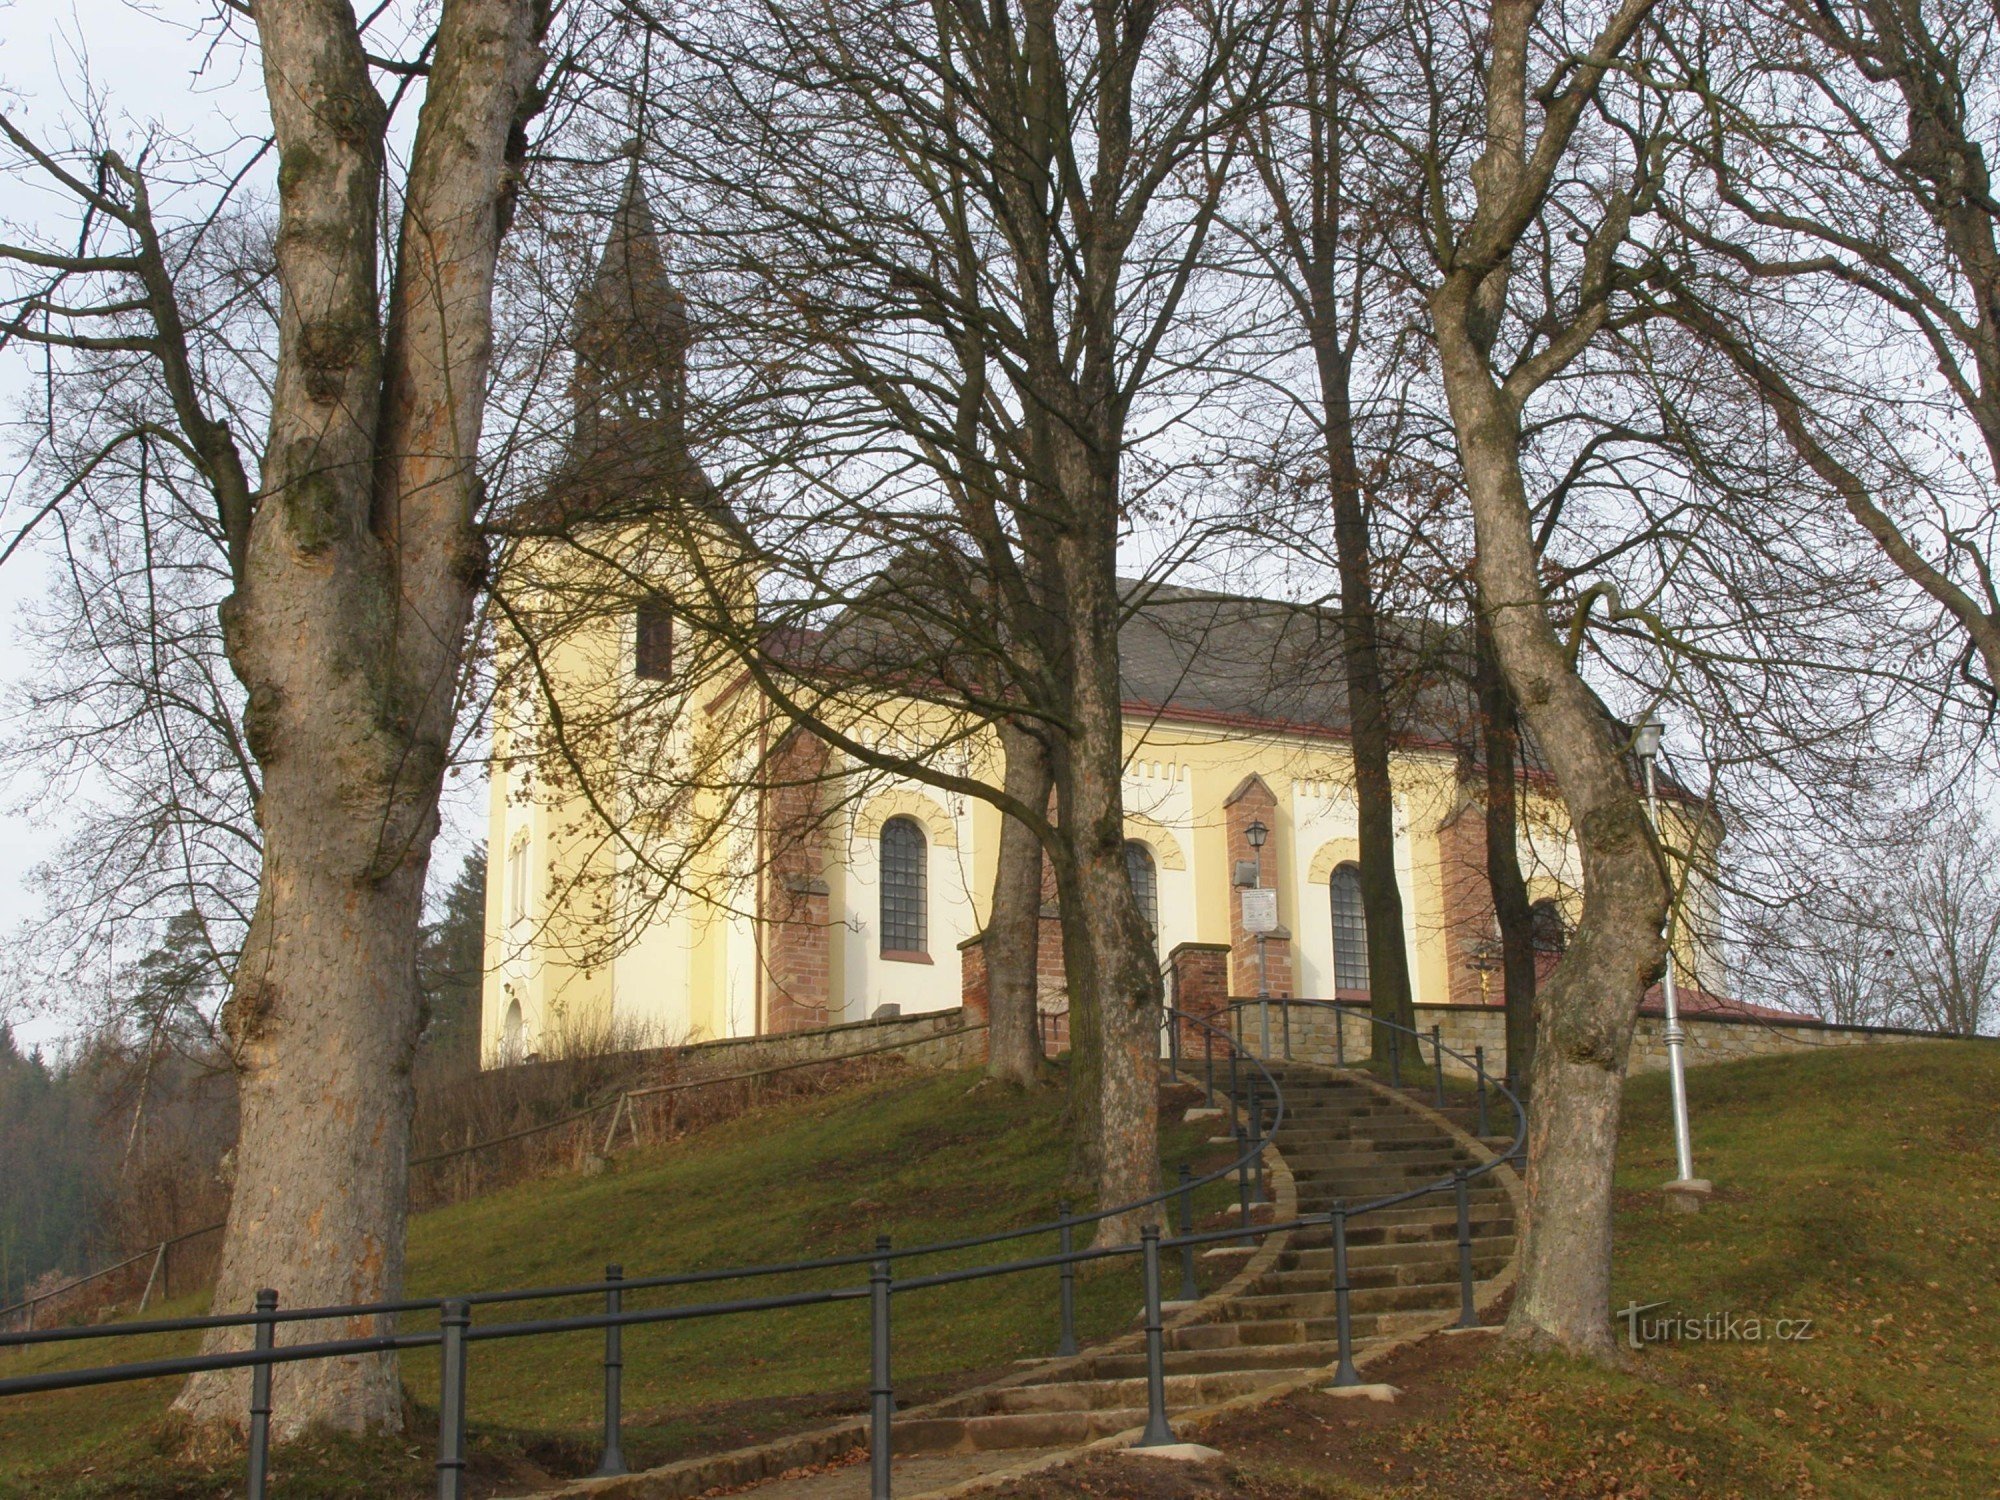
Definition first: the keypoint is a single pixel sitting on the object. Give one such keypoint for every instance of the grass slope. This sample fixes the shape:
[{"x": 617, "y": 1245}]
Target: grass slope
[
  {"x": 1856, "y": 1187},
  {"x": 923, "y": 1159}
]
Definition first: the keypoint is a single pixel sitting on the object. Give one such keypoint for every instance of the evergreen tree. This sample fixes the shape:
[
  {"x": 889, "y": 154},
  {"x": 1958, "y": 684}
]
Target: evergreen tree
[{"x": 451, "y": 966}]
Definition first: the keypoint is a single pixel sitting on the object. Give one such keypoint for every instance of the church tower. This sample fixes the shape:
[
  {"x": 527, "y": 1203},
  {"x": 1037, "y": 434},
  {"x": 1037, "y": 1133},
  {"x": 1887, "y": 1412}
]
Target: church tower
[{"x": 629, "y": 338}]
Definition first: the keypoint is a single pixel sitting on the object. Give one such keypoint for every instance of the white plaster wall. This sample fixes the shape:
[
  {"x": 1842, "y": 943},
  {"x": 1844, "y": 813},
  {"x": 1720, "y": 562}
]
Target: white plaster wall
[
  {"x": 949, "y": 920},
  {"x": 1323, "y": 810},
  {"x": 1157, "y": 791}
]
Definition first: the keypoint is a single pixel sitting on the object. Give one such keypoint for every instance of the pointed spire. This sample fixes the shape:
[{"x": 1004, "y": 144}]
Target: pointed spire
[
  {"x": 629, "y": 335},
  {"x": 631, "y": 314}
]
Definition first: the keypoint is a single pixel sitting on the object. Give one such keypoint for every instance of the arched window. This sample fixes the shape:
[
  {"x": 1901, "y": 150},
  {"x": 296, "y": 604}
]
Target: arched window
[
  {"x": 903, "y": 926},
  {"x": 1545, "y": 921},
  {"x": 510, "y": 1034},
  {"x": 1350, "y": 932},
  {"x": 1145, "y": 878}
]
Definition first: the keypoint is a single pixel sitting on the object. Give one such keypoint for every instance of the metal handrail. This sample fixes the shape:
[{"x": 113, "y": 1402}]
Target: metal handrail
[
  {"x": 455, "y": 1333},
  {"x": 1475, "y": 1064},
  {"x": 631, "y": 1284}
]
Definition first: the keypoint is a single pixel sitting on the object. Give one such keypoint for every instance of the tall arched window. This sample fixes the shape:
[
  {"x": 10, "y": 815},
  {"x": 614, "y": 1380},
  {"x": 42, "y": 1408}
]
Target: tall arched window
[
  {"x": 1350, "y": 932},
  {"x": 903, "y": 927},
  {"x": 1145, "y": 878}
]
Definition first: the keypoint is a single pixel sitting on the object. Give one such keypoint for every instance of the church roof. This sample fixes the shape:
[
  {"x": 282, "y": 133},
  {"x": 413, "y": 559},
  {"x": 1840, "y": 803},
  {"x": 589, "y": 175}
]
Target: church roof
[
  {"x": 631, "y": 307},
  {"x": 1235, "y": 659},
  {"x": 1184, "y": 654}
]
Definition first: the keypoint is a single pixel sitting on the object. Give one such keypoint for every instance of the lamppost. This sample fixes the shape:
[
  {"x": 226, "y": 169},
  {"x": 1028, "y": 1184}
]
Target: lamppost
[
  {"x": 1255, "y": 835},
  {"x": 1686, "y": 1190}
]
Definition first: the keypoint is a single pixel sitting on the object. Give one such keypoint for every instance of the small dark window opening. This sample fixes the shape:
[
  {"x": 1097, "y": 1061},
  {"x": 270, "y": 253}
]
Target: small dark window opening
[
  {"x": 655, "y": 654},
  {"x": 1145, "y": 878},
  {"x": 1545, "y": 920},
  {"x": 903, "y": 924}
]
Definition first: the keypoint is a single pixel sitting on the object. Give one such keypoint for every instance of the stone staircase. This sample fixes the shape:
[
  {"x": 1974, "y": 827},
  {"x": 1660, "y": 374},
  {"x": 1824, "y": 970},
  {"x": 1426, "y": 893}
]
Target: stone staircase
[{"x": 1342, "y": 1139}]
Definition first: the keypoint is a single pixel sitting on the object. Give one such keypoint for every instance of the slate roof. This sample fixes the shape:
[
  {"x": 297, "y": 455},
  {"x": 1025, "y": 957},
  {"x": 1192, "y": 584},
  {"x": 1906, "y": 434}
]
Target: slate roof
[
  {"x": 1195, "y": 653},
  {"x": 1184, "y": 654}
]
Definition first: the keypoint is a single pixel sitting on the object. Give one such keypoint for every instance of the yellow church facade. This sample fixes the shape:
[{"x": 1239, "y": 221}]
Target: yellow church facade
[{"x": 673, "y": 860}]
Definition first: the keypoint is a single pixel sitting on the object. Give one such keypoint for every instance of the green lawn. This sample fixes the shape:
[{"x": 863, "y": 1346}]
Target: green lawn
[
  {"x": 922, "y": 1159},
  {"x": 1859, "y": 1188}
]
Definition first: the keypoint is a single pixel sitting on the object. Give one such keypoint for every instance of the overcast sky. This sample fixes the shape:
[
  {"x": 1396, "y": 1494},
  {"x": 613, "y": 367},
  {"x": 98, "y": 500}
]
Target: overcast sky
[{"x": 141, "y": 67}]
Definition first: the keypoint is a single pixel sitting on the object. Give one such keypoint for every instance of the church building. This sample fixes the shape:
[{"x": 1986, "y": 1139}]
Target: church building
[{"x": 820, "y": 892}]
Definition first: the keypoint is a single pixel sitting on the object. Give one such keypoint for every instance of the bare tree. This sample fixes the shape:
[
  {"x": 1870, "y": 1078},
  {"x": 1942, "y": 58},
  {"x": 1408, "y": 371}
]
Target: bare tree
[
  {"x": 1333, "y": 197},
  {"x": 1838, "y": 243},
  {"x": 978, "y": 320},
  {"x": 1491, "y": 369},
  {"x": 353, "y": 565}
]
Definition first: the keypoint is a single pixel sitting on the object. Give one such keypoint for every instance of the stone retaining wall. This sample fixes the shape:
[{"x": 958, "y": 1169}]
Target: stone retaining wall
[
  {"x": 1463, "y": 1028},
  {"x": 934, "y": 1039}
]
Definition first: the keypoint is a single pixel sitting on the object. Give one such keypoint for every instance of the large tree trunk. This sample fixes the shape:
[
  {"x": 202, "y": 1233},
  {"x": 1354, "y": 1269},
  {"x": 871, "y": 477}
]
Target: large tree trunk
[
  {"x": 347, "y": 628},
  {"x": 1114, "y": 941},
  {"x": 1591, "y": 1002},
  {"x": 1389, "y": 995},
  {"x": 1014, "y": 930},
  {"x": 1499, "y": 737},
  {"x": 1589, "y": 1006}
]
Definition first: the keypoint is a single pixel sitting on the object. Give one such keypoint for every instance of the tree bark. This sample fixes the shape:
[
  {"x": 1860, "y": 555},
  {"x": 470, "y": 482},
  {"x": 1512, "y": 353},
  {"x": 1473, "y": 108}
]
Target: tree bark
[
  {"x": 1014, "y": 930},
  {"x": 347, "y": 627},
  {"x": 1389, "y": 996},
  {"x": 1111, "y": 942},
  {"x": 1500, "y": 742},
  {"x": 1590, "y": 1005}
]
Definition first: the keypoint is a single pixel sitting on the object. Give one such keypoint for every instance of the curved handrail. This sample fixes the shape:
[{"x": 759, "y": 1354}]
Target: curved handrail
[
  {"x": 1444, "y": 1184},
  {"x": 455, "y": 1333},
  {"x": 1170, "y": 1016}
]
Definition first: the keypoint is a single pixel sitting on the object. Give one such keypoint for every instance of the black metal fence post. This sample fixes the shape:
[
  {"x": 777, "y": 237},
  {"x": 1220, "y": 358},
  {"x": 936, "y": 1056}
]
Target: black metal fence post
[
  {"x": 1437, "y": 1056},
  {"x": 1173, "y": 1044},
  {"x": 260, "y": 1395},
  {"x": 1235, "y": 1099},
  {"x": 1344, "y": 1373},
  {"x": 1285, "y": 1010},
  {"x": 1256, "y": 1111},
  {"x": 881, "y": 1388},
  {"x": 1157, "y": 1434},
  {"x": 1468, "y": 1312},
  {"x": 1208, "y": 1061},
  {"x": 455, "y": 1318},
  {"x": 1395, "y": 1059},
  {"x": 1479, "y": 1069},
  {"x": 1243, "y": 1182},
  {"x": 613, "y": 1461},
  {"x": 1066, "y": 1340},
  {"x": 1189, "y": 1291},
  {"x": 1339, "y": 1037}
]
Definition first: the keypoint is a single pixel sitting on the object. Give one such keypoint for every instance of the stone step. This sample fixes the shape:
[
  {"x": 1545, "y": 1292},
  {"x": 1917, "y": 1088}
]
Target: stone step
[
  {"x": 1391, "y": 1227},
  {"x": 1394, "y": 1297},
  {"x": 1370, "y": 1146},
  {"x": 1440, "y": 1264},
  {"x": 1319, "y": 1194},
  {"x": 981, "y": 1434},
  {"x": 1183, "y": 1390},
  {"x": 1225, "y": 1357},
  {"x": 1280, "y": 1332},
  {"x": 1390, "y": 1168},
  {"x": 1319, "y": 1262}
]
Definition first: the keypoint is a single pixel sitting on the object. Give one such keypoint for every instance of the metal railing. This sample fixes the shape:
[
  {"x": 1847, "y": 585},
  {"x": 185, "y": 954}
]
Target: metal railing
[
  {"x": 1262, "y": 1108},
  {"x": 457, "y": 1332}
]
